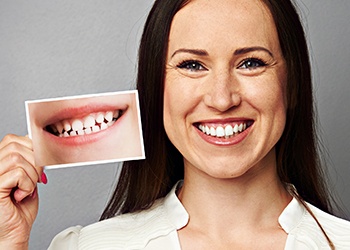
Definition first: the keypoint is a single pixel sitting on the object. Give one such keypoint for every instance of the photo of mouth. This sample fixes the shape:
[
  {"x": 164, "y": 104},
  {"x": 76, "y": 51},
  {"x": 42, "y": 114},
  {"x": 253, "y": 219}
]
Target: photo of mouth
[
  {"x": 92, "y": 123},
  {"x": 87, "y": 129}
]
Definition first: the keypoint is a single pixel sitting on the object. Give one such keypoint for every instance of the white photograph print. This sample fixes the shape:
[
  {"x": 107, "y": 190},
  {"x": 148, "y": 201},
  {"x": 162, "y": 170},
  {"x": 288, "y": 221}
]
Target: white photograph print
[{"x": 87, "y": 129}]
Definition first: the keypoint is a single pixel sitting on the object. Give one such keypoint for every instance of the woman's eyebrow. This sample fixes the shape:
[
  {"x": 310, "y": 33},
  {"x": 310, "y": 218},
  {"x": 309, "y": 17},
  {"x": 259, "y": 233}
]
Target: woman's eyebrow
[
  {"x": 251, "y": 49},
  {"x": 198, "y": 52},
  {"x": 240, "y": 51}
]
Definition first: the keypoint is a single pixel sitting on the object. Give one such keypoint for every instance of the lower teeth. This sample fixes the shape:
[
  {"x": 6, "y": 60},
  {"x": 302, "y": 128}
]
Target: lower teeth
[{"x": 85, "y": 131}]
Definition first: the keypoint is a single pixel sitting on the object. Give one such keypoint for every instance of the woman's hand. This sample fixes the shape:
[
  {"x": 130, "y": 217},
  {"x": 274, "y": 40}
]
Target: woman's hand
[{"x": 18, "y": 193}]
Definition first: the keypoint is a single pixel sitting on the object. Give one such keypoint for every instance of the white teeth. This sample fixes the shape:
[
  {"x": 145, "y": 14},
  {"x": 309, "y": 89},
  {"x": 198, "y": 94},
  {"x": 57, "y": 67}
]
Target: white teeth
[
  {"x": 80, "y": 132},
  {"x": 220, "y": 132},
  {"x": 88, "y": 131},
  {"x": 77, "y": 125},
  {"x": 223, "y": 131},
  {"x": 66, "y": 125},
  {"x": 109, "y": 116},
  {"x": 235, "y": 129},
  {"x": 100, "y": 118},
  {"x": 207, "y": 130},
  {"x": 201, "y": 127},
  {"x": 103, "y": 126},
  {"x": 95, "y": 128},
  {"x": 240, "y": 127},
  {"x": 91, "y": 123},
  {"x": 228, "y": 130}
]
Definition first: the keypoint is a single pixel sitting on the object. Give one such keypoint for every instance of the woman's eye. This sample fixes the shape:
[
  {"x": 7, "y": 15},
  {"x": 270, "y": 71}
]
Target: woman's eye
[
  {"x": 191, "y": 65},
  {"x": 252, "y": 63}
]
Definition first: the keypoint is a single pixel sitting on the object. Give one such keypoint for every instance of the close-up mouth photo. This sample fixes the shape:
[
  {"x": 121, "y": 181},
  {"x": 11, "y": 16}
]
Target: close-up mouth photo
[
  {"x": 88, "y": 128},
  {"x": 85, "y": 125}
]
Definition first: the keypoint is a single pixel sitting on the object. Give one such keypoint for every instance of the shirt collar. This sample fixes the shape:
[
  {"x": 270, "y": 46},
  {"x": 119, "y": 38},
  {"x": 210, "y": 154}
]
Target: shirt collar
[
  {"x": 179, "y": 217},
  {"x": 177, "y": 214},
  {"x": 291, "y": 215}
]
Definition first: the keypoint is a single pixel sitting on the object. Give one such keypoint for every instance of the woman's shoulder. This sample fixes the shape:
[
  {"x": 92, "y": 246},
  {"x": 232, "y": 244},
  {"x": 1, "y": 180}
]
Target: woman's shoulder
[
  {"x": 332, "y": 224},
  {"x": 119, "y": 232},
  {"x": 128, "y": 231},
  {"x": 337, "y": 229}
]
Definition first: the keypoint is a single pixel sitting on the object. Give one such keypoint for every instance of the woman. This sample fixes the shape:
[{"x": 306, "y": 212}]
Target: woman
[{"x": 225, "y": 95}]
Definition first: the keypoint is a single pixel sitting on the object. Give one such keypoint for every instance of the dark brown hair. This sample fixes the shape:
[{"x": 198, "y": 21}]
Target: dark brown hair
[
  {"x": 142, "y": 182},
  {"x": 298, "y": 161}
]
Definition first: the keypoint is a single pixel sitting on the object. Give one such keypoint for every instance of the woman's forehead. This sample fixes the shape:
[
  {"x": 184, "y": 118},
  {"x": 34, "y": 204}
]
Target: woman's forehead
[{"x": 204, "y": 22}]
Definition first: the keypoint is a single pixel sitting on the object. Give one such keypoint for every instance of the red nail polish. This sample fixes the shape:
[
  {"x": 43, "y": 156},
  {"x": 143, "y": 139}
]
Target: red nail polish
[{"x": 43, "y": 178}]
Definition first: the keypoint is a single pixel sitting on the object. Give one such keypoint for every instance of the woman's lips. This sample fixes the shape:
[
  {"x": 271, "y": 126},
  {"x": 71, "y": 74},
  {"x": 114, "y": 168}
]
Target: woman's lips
[{"x": 224, "y": 132}]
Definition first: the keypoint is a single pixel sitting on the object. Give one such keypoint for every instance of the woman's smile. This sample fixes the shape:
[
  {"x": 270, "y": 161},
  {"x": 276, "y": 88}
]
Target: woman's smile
[{"x": 224, "y": 132}]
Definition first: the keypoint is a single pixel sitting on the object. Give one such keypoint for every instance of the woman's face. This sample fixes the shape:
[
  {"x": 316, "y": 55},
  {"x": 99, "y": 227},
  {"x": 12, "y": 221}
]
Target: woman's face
[{"x": 224, "y": 97}]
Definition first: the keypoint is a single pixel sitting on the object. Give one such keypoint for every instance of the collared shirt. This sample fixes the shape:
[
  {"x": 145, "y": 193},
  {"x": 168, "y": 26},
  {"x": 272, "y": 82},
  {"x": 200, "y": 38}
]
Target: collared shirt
[{"x": 156, "y": 228}]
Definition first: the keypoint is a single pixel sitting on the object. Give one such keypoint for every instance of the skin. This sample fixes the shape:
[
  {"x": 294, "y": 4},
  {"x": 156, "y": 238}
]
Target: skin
[
  {"x": 18, "y": 208},
  {"x": 232, "y": 192},
  {"x": 122, "y": 140}
]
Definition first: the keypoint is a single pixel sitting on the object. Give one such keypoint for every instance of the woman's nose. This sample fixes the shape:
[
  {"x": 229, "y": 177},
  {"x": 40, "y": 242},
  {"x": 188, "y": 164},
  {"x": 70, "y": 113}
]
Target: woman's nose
[{"x": 222, "y": 92}]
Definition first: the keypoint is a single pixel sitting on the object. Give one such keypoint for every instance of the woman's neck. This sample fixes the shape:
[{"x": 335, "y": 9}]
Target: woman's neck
[{"x": 253, "y": 200}]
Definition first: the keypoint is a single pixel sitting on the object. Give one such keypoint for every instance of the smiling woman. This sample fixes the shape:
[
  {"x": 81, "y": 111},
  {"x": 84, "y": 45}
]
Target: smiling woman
[
  {"x": 231, "y": 152},
  {"x": 85, "y": 129}
]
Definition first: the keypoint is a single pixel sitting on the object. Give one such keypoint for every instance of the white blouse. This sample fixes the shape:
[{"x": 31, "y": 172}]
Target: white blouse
[{"x": 156, "y": 228}]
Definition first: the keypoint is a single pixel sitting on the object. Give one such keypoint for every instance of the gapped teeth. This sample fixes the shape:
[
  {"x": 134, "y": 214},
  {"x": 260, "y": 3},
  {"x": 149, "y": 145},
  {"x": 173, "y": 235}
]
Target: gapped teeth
[
  {"x": 89, "y": 124},
  {"x": 223, "y": 131}
]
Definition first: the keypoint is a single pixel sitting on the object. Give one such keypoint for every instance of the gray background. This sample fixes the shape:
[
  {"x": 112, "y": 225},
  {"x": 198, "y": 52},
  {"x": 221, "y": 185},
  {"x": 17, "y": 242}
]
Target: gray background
[{"x": 59, "y": 48}]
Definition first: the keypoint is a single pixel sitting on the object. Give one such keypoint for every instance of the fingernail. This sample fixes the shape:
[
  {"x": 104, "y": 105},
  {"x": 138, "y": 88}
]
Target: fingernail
[{"x": 43, "y": 178}]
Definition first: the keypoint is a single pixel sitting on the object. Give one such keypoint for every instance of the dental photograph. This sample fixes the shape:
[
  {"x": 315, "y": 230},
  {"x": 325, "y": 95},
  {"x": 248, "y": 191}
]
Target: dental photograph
[
  {"x": 174, "y": 125},
  {"x": 81, "y": 130}
]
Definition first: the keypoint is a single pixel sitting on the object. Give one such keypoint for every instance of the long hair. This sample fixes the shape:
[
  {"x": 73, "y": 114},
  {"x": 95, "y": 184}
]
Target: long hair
[
  {"x": 298, "y": 160},
  {"x": 142, "y": 182}
]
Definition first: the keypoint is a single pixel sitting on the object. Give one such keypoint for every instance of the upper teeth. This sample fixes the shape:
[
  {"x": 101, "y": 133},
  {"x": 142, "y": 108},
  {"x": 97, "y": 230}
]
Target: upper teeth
[
  {"x": 223, "y": 131},
  {"x": 91, "y": 123}
]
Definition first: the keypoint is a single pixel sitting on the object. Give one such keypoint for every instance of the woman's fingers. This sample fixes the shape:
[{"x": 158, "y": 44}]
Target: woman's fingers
[
  {"x": 17, "y": 171},
  {"x": 16, "y": 152},
  {"x": 23, "y": 140},
  {"x": 16, "y": 180},
  {"x": 22, "y": 145},
  {"x": 11, "y": 159}
]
